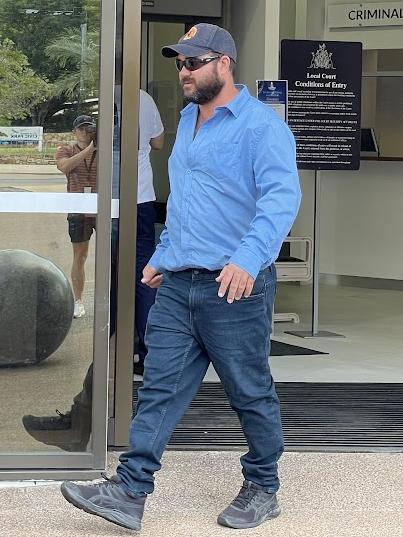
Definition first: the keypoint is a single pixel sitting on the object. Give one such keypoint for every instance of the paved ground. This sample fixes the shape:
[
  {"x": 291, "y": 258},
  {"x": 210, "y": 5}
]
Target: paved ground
[
  {"x": 14, "y": 169},
  {"x": 322, "y": 495}
]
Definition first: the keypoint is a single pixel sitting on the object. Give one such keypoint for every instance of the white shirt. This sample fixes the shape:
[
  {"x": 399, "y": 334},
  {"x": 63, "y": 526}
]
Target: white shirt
[{"x": 150, "y": 126}]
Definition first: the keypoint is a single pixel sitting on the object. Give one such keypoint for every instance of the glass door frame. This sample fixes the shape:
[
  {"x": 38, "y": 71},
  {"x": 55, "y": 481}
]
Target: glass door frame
[
  {"x": 88, "y": 465},
  {"x": 119, "y": 421},
  {"x": 122, "y": 412}
]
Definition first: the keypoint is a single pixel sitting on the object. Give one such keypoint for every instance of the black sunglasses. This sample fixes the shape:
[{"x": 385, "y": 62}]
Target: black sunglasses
[{"x": 192, "y": 64}]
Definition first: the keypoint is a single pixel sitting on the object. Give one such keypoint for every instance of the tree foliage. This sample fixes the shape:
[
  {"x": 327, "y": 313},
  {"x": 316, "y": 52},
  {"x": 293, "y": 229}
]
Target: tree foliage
[
  {"x": 20, "y": 88},
  {"x": 80, "y": 63},
  {"x": 33, "y": 25}
]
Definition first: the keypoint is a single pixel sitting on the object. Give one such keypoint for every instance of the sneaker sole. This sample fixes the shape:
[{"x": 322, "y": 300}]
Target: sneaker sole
[
  {"x": 93, "y": 509},
  {"x": 61, "y": 438},
  {"x": 26, "y": 421},
  {"x": 243, "y": 526}
]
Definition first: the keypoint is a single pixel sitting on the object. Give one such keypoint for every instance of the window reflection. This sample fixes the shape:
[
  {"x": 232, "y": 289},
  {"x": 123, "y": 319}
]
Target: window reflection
[{"x": 49, "y": 77}]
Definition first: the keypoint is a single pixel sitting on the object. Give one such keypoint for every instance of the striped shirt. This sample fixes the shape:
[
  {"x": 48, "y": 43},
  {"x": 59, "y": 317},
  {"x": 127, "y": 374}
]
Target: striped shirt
[{"x": 83, "y": 175}]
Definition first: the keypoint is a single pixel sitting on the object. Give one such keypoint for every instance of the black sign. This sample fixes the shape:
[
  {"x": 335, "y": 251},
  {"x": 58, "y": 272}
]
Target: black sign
[{"x": 324, "y": 102}]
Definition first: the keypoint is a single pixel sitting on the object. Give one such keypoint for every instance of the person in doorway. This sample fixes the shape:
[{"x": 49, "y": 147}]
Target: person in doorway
[
  {"x": 234, "y": 196},
  {"x": 78, "y": 163},
  {"x": 151, "y": 137}
]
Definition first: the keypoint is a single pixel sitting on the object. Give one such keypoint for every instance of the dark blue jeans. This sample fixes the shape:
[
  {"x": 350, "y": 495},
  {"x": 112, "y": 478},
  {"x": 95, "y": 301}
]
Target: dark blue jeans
[
  {"x": 189, "y": 326},
  {"x": 145, "y": 296}
]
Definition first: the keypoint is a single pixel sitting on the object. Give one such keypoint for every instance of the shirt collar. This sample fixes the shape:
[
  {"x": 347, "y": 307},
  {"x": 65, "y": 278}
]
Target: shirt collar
[{"x": 234, "y": 106}]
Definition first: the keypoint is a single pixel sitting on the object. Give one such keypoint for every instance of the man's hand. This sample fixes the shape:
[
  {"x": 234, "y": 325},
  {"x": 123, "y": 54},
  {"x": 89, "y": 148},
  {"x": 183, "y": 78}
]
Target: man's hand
[
  {"x": 151, "y": 277},
  {"x": 88, "y": 151},
  {"x": 236, "y": 280},
  {"x": 67, "y": 164}
]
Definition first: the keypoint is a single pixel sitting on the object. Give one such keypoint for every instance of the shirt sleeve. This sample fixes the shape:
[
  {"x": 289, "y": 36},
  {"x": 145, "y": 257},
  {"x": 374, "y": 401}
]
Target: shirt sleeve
[
  {"x": 278, "y": 197},
  {"x": 163, "y": 245},
  {"x": 157, "y": 126}
]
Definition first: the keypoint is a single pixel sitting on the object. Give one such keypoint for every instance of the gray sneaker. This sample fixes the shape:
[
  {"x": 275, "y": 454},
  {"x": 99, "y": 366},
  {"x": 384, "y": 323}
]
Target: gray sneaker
[
  {"x": 108, "y": 500},
  {"x": 251, "y": 507}
]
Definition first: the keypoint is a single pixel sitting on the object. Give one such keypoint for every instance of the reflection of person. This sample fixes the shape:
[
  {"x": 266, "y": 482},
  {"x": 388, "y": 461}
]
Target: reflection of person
[
  {"x": 234, "y": 196},
  {"x": 78, "y": 163},
  {"x": 69, "y": 431},
  {"x": 151, "y": 136}
]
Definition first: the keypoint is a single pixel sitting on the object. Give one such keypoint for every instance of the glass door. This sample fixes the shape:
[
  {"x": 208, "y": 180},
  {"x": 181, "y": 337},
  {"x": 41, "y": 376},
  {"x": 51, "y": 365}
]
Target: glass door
[
  {"x": 160, "y": 80},
  {"x": 56, "y": 141}
]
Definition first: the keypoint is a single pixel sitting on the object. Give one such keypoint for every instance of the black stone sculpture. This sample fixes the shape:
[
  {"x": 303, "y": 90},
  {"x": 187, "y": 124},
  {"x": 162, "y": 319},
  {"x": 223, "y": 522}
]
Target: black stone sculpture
[{"x": 36, "y": 308}]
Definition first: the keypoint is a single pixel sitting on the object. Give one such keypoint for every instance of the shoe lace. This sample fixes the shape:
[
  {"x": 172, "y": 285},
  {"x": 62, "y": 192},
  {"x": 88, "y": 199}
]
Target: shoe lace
[
  {"x": 245, "y": 497},
  {"x": 107, "y": 480}
]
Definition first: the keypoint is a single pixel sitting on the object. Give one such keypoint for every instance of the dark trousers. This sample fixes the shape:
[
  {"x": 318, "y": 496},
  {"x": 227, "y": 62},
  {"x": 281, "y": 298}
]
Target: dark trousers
[
  {"x": 188, "y": 328},
  {"x": 145, "y": 296}
]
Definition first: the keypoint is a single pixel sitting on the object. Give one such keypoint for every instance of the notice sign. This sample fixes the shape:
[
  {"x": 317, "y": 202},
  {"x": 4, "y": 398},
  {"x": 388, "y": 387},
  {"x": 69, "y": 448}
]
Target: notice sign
[
  {"x": 324, "y": 102},
  {"x": 17, "y": 136},
  {"x": 274, "y": 94},
  {"x": 365, "y": 14}
]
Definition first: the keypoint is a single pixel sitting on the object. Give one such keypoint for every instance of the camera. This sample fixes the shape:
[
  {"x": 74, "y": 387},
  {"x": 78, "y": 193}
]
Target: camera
[{"x": 93, "y": 131}]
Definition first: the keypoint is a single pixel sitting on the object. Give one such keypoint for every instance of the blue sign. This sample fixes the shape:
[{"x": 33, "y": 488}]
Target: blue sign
[{"x": 275, "y": 94}]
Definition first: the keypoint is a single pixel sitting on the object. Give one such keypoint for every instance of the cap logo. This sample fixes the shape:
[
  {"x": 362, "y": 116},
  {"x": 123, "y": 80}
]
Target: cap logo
[{"x": 190, "y": 34}]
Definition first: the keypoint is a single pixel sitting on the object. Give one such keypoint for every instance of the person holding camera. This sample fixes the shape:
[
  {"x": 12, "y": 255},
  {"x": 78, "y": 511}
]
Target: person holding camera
[{"x": 78, "y": 163}]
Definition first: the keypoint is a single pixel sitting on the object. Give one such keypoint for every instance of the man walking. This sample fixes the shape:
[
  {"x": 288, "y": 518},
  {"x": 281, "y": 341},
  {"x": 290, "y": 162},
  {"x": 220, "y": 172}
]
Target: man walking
[{"x": 234, "y": 196}]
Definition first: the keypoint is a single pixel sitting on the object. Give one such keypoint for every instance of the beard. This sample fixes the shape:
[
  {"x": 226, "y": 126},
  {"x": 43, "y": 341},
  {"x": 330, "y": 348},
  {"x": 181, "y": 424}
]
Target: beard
[{"x": 204, "y": 92}]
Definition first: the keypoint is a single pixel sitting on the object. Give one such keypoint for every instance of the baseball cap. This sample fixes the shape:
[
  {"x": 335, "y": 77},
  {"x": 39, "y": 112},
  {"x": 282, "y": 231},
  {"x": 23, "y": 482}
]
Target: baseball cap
[
  {"x": 83, "y": 120},
  {"x": 200, "y": 39}
]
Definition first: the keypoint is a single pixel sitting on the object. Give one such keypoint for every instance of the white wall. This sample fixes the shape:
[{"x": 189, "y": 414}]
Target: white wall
[
  {"x": 385, "y": 37},
  {"x": 361, "y": 212},
  {"x": 254, "y": 25},
  {"x": 361, "y": 220},
  {"x": 287, "y": 19}
]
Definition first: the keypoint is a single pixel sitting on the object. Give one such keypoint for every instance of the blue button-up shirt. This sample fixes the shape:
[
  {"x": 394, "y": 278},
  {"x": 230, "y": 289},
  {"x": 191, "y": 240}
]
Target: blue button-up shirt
[{"x": 234, "y": 189}]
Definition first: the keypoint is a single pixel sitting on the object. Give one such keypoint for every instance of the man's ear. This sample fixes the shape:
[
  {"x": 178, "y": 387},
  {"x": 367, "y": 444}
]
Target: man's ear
[{"x": 225, "y": 60}]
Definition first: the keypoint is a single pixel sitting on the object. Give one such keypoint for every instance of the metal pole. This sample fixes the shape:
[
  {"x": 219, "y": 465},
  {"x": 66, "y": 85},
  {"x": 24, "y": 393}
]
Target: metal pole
[
  {"x": 315, "y": 332},
  {"x": 123, "y": 408},
  {"x": 103, "y": 241},
  {"x": 83, "y": 31},
  {"x": 316, "y": 257}
]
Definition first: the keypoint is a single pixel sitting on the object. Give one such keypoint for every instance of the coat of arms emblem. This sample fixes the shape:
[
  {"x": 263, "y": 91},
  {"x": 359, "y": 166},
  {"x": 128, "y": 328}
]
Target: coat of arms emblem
[{"x": 322, "y": 58}]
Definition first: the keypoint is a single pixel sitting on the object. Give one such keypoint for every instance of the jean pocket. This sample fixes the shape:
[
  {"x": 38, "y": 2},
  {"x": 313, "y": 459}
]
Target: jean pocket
[{"x": 258, "y": 288}]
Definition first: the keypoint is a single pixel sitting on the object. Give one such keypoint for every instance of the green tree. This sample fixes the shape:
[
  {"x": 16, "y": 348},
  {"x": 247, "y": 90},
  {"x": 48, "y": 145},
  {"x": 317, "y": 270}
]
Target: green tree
[
  {"x": 33, "y": 24},
  {"x": 92, "y": 9},
  {"x": 78, "y": 55},
  {"x": 20, "y": 88}
]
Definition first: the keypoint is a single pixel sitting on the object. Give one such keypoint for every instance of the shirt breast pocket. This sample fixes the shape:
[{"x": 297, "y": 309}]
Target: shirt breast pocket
[{"x": 224, "y": 160}]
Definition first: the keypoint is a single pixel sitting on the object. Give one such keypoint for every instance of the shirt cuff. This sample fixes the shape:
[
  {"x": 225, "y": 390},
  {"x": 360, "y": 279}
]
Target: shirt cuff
[
  {"x": 155, "y": 259},
  {"x": 247, "y": 260}
]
